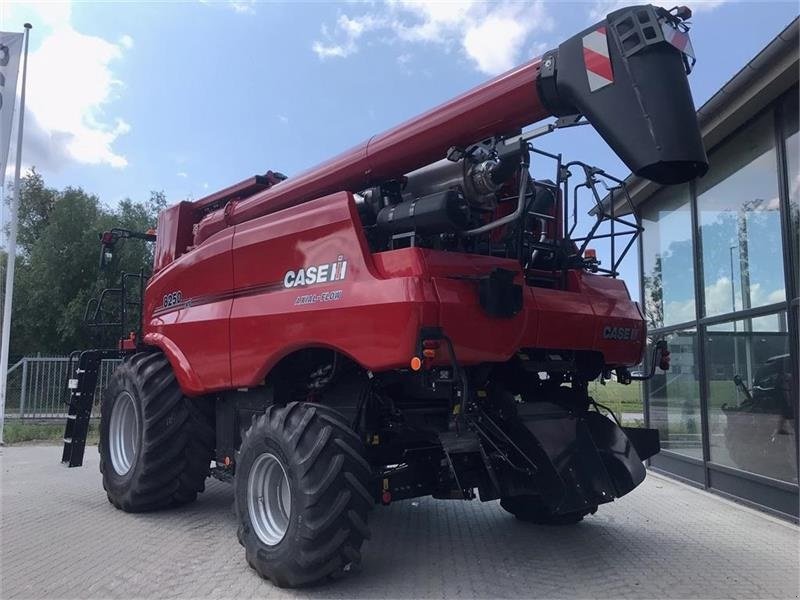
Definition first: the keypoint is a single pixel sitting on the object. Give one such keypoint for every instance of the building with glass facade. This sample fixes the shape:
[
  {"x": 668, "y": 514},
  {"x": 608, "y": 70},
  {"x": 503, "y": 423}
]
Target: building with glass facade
[{"x": 719, "y": 279}]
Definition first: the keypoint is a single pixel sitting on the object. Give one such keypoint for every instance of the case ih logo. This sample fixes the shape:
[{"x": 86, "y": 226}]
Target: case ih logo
[
  {"x": 620, "y": 333},
  {"x": 335, "y": 271}
]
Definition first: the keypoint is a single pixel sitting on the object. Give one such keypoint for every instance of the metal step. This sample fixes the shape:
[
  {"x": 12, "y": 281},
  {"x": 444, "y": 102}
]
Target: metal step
[{"x": 81, "y": 384}]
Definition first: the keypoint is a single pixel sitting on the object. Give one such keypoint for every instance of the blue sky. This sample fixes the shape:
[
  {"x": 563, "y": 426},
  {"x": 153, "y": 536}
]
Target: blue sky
[{"x": 189, "y": 97}]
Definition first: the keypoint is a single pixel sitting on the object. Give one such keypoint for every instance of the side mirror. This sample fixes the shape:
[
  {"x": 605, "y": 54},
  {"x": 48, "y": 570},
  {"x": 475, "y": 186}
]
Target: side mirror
[
  {"x": 107, "y": 242},
  {"x": 106, "y": 254}
]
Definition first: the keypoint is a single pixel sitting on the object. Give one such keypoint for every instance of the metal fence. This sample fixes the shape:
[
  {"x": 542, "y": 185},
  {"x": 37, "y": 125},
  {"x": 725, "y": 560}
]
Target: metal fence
[{"x": 37, "y": 387}]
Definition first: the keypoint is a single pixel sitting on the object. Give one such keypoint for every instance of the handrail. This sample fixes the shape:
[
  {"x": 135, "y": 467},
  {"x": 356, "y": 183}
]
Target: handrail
[{"x": 18, "y": 363}]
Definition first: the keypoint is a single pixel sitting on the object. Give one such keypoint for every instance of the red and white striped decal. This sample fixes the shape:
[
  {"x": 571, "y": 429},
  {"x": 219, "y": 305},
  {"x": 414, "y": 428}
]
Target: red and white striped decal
[
  {"x": 679, "y": 39},
  {"x": 596, "y": 58}
]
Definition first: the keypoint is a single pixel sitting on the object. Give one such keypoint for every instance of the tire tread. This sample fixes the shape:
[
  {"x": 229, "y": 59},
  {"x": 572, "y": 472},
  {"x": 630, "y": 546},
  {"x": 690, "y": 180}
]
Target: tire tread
[
  {"x": 331, "y": 493},
  {"x": 177, "y": 438}
]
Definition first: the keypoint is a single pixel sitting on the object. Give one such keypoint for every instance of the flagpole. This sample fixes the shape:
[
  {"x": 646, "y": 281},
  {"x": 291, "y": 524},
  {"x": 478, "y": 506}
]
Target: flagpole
[{"x": 12, "y": 246}]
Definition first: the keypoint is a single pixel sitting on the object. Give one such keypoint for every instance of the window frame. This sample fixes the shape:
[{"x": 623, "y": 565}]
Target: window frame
[
  {"x": 772, "y": 111},
  {"x": 701, "y": 322}
]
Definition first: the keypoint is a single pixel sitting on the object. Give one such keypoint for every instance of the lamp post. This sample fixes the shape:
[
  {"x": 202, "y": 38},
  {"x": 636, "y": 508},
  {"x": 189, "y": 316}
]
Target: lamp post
[{"x": 733, "y": 309}]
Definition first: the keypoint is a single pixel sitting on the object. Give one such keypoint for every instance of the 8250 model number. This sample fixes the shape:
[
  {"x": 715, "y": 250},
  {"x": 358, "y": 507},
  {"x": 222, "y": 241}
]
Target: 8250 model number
[{"x": 172, "y": 299}]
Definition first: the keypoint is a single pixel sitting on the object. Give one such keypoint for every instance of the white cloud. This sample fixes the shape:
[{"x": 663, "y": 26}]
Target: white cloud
[
  {"x": 242, "y": 7},
  {"x": 67, "y": 112},
  {"x": 348, "y": 31},
  {"x": 182, "y": 174},
  {"x": 491, "y": 35},
  {"x": 332, "y": 50},
  {"x": 718, "y": 300},
  {"x": 679, "y": 312},
  {"x": 480, "y": 43},
  {"x": 601, "y": 8},
  {"x": 283, "y": 119},
  {"x": 126, "y": 41},
  {"x": 432, "y": 21}
]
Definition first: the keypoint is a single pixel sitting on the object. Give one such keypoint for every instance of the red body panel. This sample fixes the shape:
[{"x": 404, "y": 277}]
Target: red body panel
[
  {"x": 371, "y": 319},
  {"x": 174, "y": 234},
  {"x": 236, "y": 318},
  {"x": 193, "y": 330}
]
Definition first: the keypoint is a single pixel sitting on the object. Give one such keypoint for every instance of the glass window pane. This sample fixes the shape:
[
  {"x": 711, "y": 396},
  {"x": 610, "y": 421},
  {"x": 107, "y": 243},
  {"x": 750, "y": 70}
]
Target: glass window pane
[
  {"x": 667, "y": 257},
  {"x": 790, "y": 112},
  {"x": 674, "y": 398},
  {"x": 751, "y": 419},
  {"x": 740, "y": 225}
]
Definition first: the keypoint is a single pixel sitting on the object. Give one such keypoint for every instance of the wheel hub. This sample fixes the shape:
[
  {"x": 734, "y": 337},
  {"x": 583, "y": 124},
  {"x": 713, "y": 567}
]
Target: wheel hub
[
  {"x": 269, "y": 499},
  {"x": 123, "y": 434}
]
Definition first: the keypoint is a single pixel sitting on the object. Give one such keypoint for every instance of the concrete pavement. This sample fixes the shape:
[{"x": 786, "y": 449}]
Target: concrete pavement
[{"x": 62, "y": 539}]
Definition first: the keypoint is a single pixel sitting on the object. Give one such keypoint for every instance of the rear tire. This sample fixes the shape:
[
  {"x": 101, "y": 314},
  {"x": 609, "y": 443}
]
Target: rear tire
[
  {"x": 302, "y": 494},
  {"x": 155, "y": 443},
  {"x": 531, "y": 510}
]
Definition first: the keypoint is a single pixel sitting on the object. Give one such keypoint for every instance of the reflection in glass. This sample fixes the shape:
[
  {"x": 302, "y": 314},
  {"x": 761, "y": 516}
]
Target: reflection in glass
[
  {"x": 674, "y": 398},
  {"x": 740, "y": 225},
  {"x": 667, "y": 257},
  {"x": 751, "y": 416},
  {"x": 790, "y": 116}
]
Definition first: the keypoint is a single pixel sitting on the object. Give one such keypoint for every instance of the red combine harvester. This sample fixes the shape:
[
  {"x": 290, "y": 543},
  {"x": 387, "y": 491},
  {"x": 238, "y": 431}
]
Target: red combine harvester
[{"x": 417, "y": 316}]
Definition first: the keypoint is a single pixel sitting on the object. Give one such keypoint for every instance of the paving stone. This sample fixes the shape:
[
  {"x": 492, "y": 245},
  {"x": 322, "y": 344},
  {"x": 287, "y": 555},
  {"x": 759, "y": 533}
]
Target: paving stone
[{"x": 62, "y": 539}]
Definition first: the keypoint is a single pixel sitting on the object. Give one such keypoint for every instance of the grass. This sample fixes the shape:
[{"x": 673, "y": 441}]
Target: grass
[
  {"x": 617, "y": 397},
  {"x": 18, "y": 432}
]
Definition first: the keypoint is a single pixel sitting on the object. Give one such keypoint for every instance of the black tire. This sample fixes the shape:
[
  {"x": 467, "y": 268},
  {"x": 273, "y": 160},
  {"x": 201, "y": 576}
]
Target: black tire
[
  {"x": 175, "y": 437},
  {"x": 329, "y": 482},
  {"x": 531, "y": 510}
]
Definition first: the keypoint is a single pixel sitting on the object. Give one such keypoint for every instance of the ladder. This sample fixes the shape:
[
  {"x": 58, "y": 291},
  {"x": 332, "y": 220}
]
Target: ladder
[{"x": 82, "y": 383}]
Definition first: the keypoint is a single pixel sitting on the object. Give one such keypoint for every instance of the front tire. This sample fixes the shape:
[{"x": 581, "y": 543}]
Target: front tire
[
  {"x": 531, "y": 510},
  {"x": 155, "y": 443},
  {"x": 302, "y": 494}
]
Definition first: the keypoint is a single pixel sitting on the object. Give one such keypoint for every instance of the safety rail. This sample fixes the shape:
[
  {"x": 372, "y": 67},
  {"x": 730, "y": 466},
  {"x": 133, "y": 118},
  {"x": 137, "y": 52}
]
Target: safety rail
[
  {"x": 125, "y": 312},
  {"x": 608, "y": 223}
]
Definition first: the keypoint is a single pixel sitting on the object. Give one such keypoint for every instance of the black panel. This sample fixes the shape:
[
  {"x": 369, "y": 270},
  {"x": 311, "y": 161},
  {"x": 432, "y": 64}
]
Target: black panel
[
  {"x": 761, "y": 493},
  {"x": 499, "y": 295},
  {"x": 672, "y": 465},
  {"x": 646, "y": 115},
  {"x": 645, "y": 441}
]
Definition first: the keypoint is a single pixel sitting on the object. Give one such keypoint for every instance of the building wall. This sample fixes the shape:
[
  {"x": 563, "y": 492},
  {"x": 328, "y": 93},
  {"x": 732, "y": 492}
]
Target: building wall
[{"x": 719, "y": 262}]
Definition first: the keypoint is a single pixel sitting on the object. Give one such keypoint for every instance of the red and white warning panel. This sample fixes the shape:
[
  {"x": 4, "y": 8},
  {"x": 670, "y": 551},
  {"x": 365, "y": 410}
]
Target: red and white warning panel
[
  {"x": 597, "y": 60},
  {"x": 679, "y": 39}
]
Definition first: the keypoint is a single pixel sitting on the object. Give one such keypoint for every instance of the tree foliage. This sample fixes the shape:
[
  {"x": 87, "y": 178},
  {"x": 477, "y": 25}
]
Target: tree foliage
[
  {"x": 654, "y": 296},
  {"x": 57, "y": 270}
]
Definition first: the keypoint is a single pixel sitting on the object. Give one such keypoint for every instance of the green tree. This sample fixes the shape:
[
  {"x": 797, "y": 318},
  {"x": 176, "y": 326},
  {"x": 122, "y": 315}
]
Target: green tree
[
  {"x": 37, "y": 202},
  {"x": 58, "y": 268},
  {"x": 654, "y": 296}
]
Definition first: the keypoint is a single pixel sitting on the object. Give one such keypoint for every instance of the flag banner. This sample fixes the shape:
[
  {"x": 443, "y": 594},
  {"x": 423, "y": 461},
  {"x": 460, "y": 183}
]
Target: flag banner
[{"x": 10, "y": 52}]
